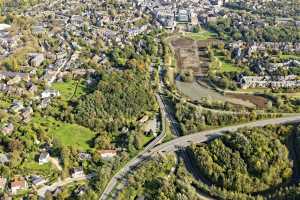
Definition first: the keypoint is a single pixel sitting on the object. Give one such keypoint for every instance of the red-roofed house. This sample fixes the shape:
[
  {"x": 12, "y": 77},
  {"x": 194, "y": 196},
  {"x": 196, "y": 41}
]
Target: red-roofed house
[
  {"x": 19, "y": 183},
  {"x": 108, "y": 153}
]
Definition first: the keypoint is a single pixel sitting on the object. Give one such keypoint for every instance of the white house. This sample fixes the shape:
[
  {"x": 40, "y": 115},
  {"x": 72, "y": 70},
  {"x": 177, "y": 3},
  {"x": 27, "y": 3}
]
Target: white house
[
  {"x": 77, "y": 172},
  {"x": 44, "y": 158}
]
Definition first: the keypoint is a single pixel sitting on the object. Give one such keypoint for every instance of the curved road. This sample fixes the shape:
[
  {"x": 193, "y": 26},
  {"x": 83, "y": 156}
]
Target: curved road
[
  {"x": 187, "y": 140},
  {"x": 42, "y": 191}
]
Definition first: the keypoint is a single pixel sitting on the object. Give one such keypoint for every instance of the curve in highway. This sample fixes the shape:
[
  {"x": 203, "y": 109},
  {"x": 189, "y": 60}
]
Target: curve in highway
[{"x": 187, "y": 140}]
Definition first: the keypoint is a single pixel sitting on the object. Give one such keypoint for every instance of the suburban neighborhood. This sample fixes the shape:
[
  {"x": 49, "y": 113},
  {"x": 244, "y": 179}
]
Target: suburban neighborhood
[{"x": 149, "y": 99}]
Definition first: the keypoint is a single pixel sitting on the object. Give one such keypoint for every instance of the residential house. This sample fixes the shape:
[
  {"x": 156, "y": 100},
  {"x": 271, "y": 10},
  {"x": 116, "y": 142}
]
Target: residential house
[
  {"x": 77, "y": 172},
  {"x": 4, "y": 158},
  {"x": 10, "y": 75},
  {"x": 76, "y": 20},
  {"x": 18, "y": 183},
  {"x": 14, "y": 80},
  {"x": 3, "y": 182},
  {"x": 17, "y": 106},
  {"x": 49, "y": 93},
  {"x": 290, "y": 81},
  {"x": 44, "y": 158},
  {"x": 26, "y": 114},
  {"x": 36, "y": 59},
  {"x": 84, "y": 156},
  {"x": 108, "y": 153},
  {"x": 144, "y": 119},
  {"x": 8, "y": 129},
  {"x": 36, "y": 30},
  {"x": 38, "y": 180},
  {"x": 4, "y": 27}
]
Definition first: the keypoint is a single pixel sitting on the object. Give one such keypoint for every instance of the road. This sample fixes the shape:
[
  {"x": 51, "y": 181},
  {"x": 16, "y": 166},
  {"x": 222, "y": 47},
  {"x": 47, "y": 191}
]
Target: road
[
  {"x": 115, "y": 179},
  {"x": 139, "y": 158},
  {"x": 42, "y": 191},
  {"x": 204, "y": 136},
  {"x": 180, "y": 142},
  {"x": 187, "y": 140}
]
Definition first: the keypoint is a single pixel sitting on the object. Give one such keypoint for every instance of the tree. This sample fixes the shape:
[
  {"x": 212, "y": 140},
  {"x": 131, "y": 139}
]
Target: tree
[
  {"x": 103, "y": 141},
  {"x": 138, "y": 141},
  {"x": 65, "y": 156}
]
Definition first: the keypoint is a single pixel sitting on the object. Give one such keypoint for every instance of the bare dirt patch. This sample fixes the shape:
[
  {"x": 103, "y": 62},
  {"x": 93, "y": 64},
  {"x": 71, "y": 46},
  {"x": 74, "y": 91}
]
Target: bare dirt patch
[
  {"x": 190, "y": 56},
  {"x": 197, "y": 91},
  {"x": 182, "y": 42},
  {"x": 259, "y": 101}
]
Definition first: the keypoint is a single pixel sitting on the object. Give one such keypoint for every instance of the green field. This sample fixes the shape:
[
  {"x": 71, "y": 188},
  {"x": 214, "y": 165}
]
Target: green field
[
  {"x": 201, "y": 35},
  {"x": 45, "y": 169},
  {"x": 254, "y": 90},
  {"x": 67, "y": 89},
  {"x": 227, "y": 66},
  {"x": 291, "y": 56},
  {"x": 147, "y": 139},
  {"x": 68, "y": 134}
]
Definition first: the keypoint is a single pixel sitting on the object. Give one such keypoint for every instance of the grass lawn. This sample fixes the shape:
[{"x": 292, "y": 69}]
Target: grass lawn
[
  {"x": 67, "y": 89},
  {"x": 147, "y": 139},
  {"x": 227, "y": 66},
  {"x": 68, "y": 134},
  {"x": 254, "y": 90},
  {"x": 33, "y": 166},
  {"x": 5, "y": 101},
  {"x": 290, "y": 95},
  {"x": 286, "y": 57},
  {"x": 4, "y": 104},
  {"x": 201, "y": 35}
]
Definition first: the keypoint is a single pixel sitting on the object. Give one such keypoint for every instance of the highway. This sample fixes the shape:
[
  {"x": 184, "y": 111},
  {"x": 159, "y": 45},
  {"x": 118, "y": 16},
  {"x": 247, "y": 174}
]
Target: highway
[
  {"x": 187, "y": 140},
  {"x": 180, "y": 142},
  {"x": 139, "y": 158},
  {"x": 204, "y": 136}
]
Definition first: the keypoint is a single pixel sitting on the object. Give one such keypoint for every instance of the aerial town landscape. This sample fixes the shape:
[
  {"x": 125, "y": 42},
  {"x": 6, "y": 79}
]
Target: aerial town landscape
[{"x": 150, "y": 99}]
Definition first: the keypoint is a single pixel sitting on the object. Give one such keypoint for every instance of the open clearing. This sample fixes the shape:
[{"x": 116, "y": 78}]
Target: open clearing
[
  {"x": 68, "y": 134},
  {"x": 195, "y": 91},
  {"x": 189, "y": 56},
  {"x": 70, "y": 89},
  {"x": 192, "y": 54},
  {"x": 259, "y": 101},
  {"x": 201, "y": 35}
]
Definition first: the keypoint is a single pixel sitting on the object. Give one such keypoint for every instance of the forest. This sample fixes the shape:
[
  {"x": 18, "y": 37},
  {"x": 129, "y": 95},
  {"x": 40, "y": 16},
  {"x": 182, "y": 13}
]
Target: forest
[
  {"x": 157, "y": 179},
  {"x": 119, "y": 99},
  {"x": 250, "y": 160},
  {"x": 193, "y": 119},
  {"x": 267, "y": 34}
]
